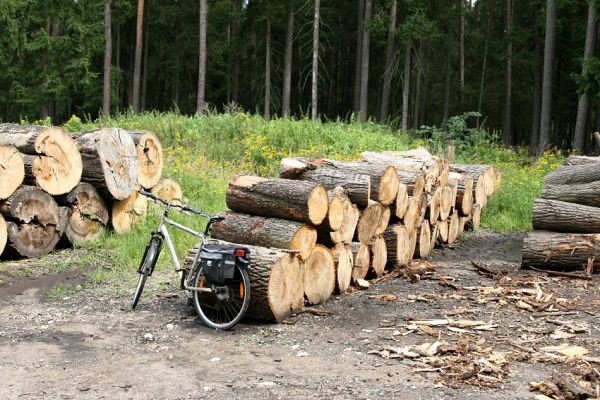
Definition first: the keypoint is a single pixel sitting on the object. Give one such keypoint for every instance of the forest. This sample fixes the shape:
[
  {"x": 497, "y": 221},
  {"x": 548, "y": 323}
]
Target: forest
[{"x": 523, "y": 71}]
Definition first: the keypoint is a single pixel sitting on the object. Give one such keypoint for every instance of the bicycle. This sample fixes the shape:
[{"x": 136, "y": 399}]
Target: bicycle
[{"x": 217, "y": 282}]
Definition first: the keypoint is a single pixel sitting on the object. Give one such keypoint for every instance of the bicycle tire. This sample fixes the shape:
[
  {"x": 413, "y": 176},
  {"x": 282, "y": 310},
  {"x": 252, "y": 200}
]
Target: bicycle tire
[
  {"x": 223, "y": 314},
  {"x": 148, "y": 263}
]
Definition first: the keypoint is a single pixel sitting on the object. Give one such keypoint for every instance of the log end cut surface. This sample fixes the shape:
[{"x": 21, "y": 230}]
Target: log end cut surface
[
  {"x": 168, "y": 190},
  {"x": 12, "y": 170},
  {"x": 319, "y": 275},
  {"x": 3, "y": 234},
  {"x": 150, "y": 159},
  {"x": 59, "y": 166},
  {"x": 89, "y": 214},
  {"x": 127, "y": 212}
]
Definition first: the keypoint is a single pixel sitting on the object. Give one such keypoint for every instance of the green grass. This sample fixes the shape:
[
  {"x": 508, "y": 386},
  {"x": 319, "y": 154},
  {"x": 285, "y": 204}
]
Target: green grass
[{"x": 203, "y": 152}]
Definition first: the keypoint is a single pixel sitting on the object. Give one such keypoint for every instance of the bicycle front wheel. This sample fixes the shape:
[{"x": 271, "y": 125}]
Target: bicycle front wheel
[
  {"x": 147, "y": 265},
  {"x": 225, "y": 305}
]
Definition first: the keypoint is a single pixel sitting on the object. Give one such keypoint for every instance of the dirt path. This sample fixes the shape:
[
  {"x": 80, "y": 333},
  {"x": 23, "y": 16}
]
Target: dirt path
[{"x": 91, "y": 345}]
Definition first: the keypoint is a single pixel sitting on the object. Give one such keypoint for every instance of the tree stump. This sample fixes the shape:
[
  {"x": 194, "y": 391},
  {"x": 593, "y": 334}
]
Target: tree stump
[
  {"x": 88, "y": 214},
  {"x": 149, "y": 158},
  {"x": 561, "y": 251},
  {"x": 319, "y": 275},
  {"x": 12, "y": 170}
]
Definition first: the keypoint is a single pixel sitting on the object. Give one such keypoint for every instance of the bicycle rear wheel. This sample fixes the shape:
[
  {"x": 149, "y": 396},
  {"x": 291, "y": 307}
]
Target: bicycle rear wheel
[
  {"x": 225, "y": 305},
  {"x": 146, "y": 267}
]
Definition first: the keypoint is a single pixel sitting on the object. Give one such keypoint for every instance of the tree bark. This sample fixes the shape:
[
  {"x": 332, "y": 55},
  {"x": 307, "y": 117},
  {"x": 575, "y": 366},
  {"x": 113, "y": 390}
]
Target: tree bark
[
  {"x": 319, "y": 275},
  {"x": 549, "y": 59},
  {"x": 483, "y": 67},
  {"x": 12, "y": 170},
  {"x": 266, "y": 232},
  {"x": 282, "y": 198},
  {"x": 580, "y": 193},
  {"x": 202, "y": 57},
  {"x": 581, "y": 160},
  {"x": 88, "y": 215},
  {"x": 446, "y": 90},
  {"x": 406, "y": 86},
  {"x": 138, "y": 57},
  {"x": 267, "y": 110},
  {"x": 583, "y": 104},
  {"x": 507, "y": 131},
  {"x": 537, "y": 85},
  {"x": 560, "y": 216},
  {"x": 358, "y": 60},
  {"x": 315, "y": 62},
  {"x": 55, "y": 165},
  {"x": 572, "y": 174},
  {"x": 364, "y": 70},
  {"x": 109, "y": 161},
  {"x": 287, "y": 68},
  {"x": 107, "y": 58},
  {"x": 389, "y": 63},
  {"x": 145, "y": 69},
  {"x": 561, "y": 251},
  {"x": 462, "y": 54}
]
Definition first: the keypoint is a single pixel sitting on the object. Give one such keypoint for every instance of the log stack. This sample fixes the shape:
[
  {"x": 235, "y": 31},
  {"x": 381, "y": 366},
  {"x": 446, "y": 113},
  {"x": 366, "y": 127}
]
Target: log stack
[
  {"x": 566, "y": 219},
  {"x": 57, "y": 185}
]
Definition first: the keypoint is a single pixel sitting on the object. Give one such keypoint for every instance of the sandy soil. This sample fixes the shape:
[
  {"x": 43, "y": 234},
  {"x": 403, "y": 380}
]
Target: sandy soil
[{"x": 91, "y": 345}]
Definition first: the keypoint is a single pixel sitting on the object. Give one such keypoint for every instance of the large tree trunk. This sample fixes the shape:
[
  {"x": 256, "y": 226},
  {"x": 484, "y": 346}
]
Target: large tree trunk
[
  {"x": 266, "y": 232},
  {"x": 202, "y": 57},
  {"x": 56, "y": 165},
  {"x": 561, "y": 251},
  {"x": 287, "y": 68},
  {"x": 267, "y": 110},
  {"x": 389, "y": 63},
  {"x": 364, "y": 73},
  {"x": 358, "y": 59},
  {"x": 549, "y": 59},
  {"x": 87, "y": 216},
  {"x": 276, "y": 283},
  {"x": 319, "y": 275},
  {"x": 149, "y": 158},
  {"x": 483, "y": 67},
  {"x": 580, "y": 193},
  {"x": 12, "y": 170},
  {"x": 34, "y": 227},
  {"x": 137, "y": 66},
  {"x": 572, "y": 174},
  {"x": 315, "y": 62},
  {"x": 583, "y": 104},
  {"x": 446, "y": 111},
  {"x": 282, "y": 198},
  {"x": 109, "y": 161},
  {"x": 107, "y": 58},
  {"x": 507, "y": 132},
  {"x": 537, "y": 85},
  {"x": 360, "y": 180},
  {"x": 560, "y": 216},
  {"x": 406, "y": 86}
]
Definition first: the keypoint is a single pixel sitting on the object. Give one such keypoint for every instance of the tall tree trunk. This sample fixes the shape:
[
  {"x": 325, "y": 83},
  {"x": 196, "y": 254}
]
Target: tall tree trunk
[
  {"x": 549, "y": 50},
  {"x": 145, "y": 67},
  {"x": 107, "y": 59},
  {"x": 137, "y": 66},
  {"x": 358, "y": 64},
  {"x": 229, "y": 63},
  {"x": 537, "y": 84},
  {"x": 406, "y": 87},
  {"x": 485, "y": 53},
  {"x": 584, "y": 102},
  {"x": 267, "y": 110},
  {"x": 389, "y": 61},
  {"x": 315, "y": 61},
  {"x": 236, "y": 60},
  {"x": 417, "y": 100},
  {"x": 364, "y": 73},
  {"x": 287, "y": 68},
  {"x": 462, "y": 54},
  {"x": 507, "y": 132},
  {"x": 447, "y": 89},
  {"x": 202, "y": 57},
  {"x": 120, "y": 91}
]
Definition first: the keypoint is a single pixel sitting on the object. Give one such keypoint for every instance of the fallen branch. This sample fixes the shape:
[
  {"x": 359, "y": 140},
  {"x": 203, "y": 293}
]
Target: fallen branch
[{"x": 562, "y": 274}]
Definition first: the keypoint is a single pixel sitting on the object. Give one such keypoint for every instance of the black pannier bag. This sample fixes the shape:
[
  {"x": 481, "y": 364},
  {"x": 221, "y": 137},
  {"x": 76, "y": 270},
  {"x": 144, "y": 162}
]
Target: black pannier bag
[{"x": 218, "y": 262}]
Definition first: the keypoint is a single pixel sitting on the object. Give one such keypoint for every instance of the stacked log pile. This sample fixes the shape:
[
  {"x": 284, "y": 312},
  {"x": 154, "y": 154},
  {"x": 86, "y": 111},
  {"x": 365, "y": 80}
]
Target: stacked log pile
[
  {"x": 566, "y": 219},
  {"x": 325, "y": 224},
  {"x": 56, "y": 185}
]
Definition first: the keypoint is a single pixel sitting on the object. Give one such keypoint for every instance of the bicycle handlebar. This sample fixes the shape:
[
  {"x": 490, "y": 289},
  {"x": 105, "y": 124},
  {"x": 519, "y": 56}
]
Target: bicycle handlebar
[{"x": 181, "y": 207}]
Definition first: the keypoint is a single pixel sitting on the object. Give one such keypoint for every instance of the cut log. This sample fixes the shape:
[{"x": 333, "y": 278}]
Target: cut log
[
  {"x": 149, "y": 158},
  {"x": 581, "y": 160},
  {"x": 474, "y": 221},
  {"x": 435, "y": 234},
  {"x": 399, "y": 207},
  {"x": 168, "y": 190},
  {"x": 384, "y": 221},
  {"x": 361, "y": 254},
  {"x": 109, "y": 161},
  {"x": 379, "y": 255},
  {"x": 414, "y": 181},
  {"x": 464, "y": 192},
  {"x": 561, "y": 251},
  {"x": 412, "y": 244},
  {"x": 397, "y": 240},
  {"x": 319, "y": 275},
  {"x": 266, "y": 232},
  {"x": 414, "y": 212},
  {"x": 443, "y": 231},
  {"x": 462, "y": 224},
  {"x": 572, "y": 174},
  {"x": 32, "y": 222},
  {"x": 126, "y": 213},
  {"x": 447, "y": 201},
  {"x": 349, "y": 223},
  {"x": 433, "y": 205},
  {"x": 302, "y": 201},
  {"x": 3, "y": 234},
  {"x": 483, "y": 179},
  {"x": 357, "y": 179},
  {"x": 581, "y": 193},
  {"x": 369, "y": 221},
  {"x": 88, "y": 214},
  {"x": 12, "y": 170},
  {"x": 276, "y": 282},
  {"x": 560, "y": 216},
  {"x": 423, "y": 247},
  {"x": 335, "y": 212},
  {"x": 55, "y": 164},
  {"x": 453, "y": 228},
  {"x": 342, "y": 257}
]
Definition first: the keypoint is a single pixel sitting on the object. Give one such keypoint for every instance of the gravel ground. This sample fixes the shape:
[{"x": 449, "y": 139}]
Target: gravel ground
[{"x": 89, "y": 344}]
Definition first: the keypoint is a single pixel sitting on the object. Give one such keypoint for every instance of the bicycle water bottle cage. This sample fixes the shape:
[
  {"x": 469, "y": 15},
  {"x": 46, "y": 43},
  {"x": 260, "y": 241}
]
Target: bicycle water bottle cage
[{"x": 218, "y": 262}]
